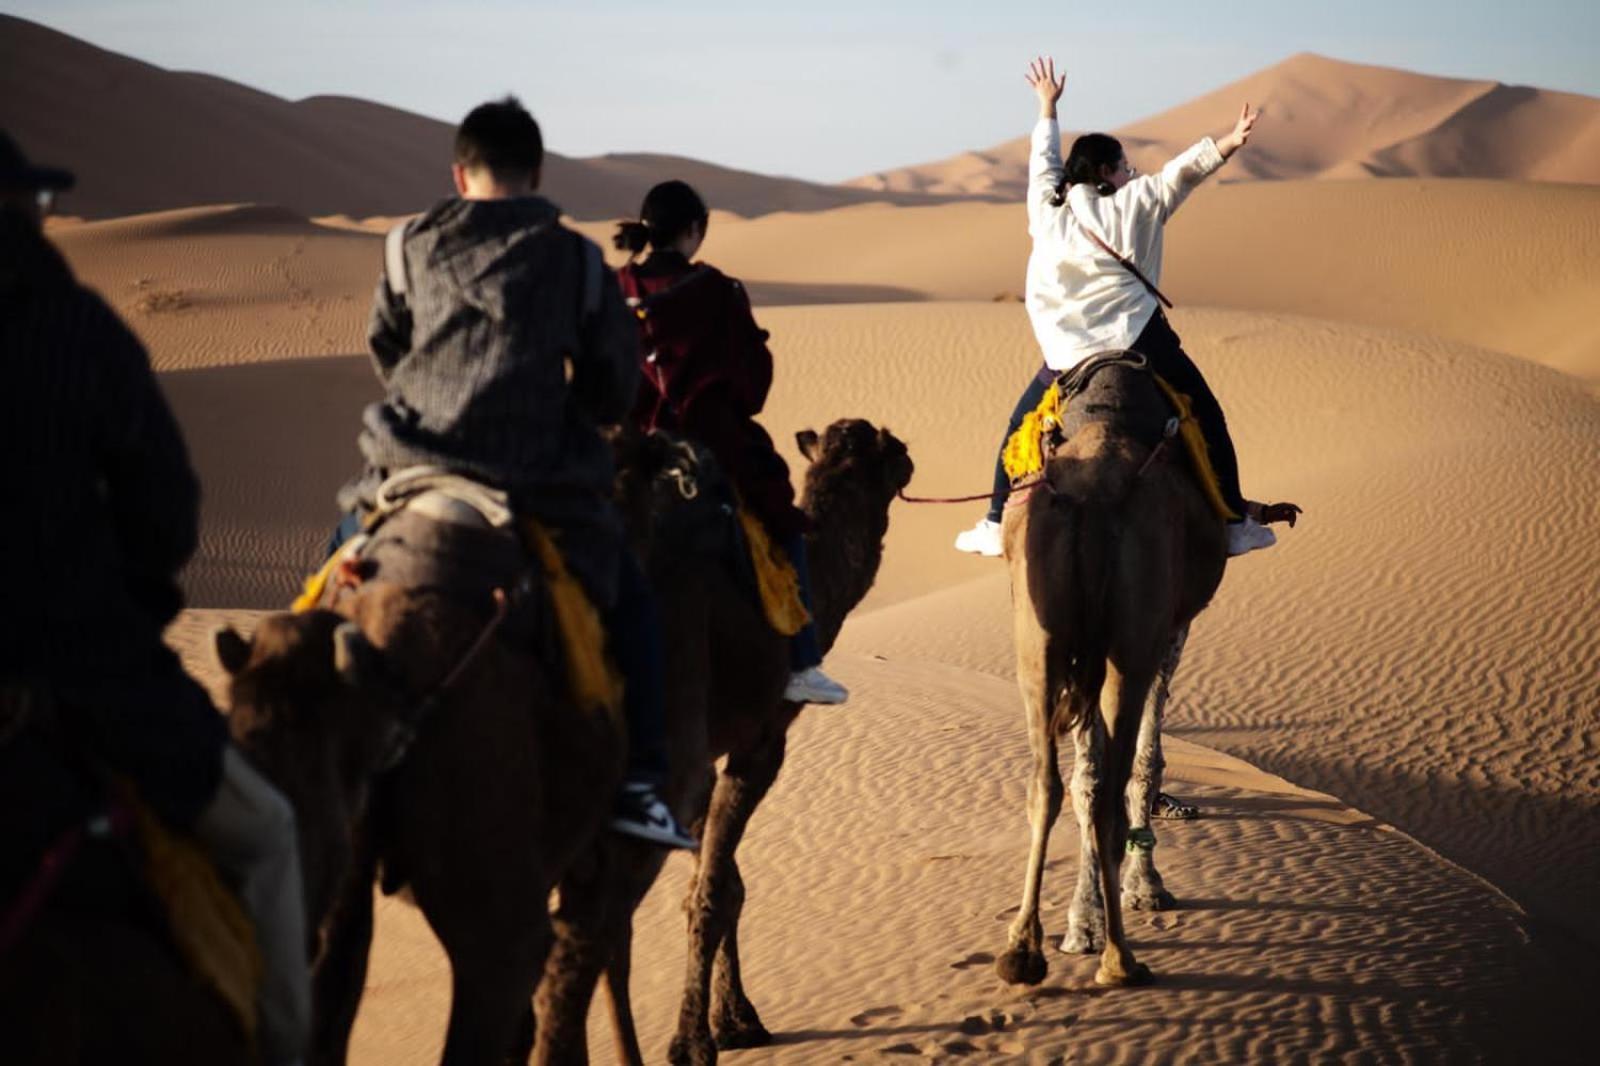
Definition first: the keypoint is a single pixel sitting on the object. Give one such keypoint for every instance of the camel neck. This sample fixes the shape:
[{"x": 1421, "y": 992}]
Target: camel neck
[{"x": 844, "y": 547}]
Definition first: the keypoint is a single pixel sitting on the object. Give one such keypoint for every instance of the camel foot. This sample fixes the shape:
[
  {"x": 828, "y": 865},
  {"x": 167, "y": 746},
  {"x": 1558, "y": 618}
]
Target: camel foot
[
  {"x": 740, "y": 1027},
  {"x": 1021, "y": 966},
  {"x": 1145, "y": 898},
  {"x": 1124, "y": 977},
  {"x": 697, "y": 1051},
  {"x": 1083, "y": 939}
]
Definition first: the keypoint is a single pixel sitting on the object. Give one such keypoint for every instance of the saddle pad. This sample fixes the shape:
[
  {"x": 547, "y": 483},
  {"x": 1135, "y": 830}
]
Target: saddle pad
[
  {"x": 206, "y": 920},
  {"x": 776, "y": 580},
  {"x": 591, "y": 674}
]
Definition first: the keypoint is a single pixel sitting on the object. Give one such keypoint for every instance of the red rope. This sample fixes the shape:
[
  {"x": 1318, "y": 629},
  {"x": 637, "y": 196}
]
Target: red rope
[
  {"x": 966, "y": 499},
  {"x": 52, "y": 865}
]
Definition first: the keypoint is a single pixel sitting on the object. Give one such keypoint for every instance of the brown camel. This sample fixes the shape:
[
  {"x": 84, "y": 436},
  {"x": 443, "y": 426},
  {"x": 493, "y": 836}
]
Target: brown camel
[
  {"x": 1111, "y": 555},
  {"x": 500, "y": 795},
  {"x": 726, "y": 670}
]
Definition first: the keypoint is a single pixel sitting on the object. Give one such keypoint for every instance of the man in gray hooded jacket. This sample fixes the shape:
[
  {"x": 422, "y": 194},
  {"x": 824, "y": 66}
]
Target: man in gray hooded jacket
[{"x": 504, "y": 343}]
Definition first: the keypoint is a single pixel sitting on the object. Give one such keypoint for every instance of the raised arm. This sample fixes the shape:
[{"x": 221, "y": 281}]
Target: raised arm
[
  {"x": 1163, "y": 192},
  {"x": 1044, "y": 160}
]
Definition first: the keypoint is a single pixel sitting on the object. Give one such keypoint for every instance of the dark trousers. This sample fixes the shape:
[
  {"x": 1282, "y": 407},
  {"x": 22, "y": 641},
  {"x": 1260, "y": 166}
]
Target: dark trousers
[
  {"x": 805, "y": 651},
  {"x": 634, "y": 626},
  {"x": 1158, "y": 343},
  {"x": 1026, "y": 402}
]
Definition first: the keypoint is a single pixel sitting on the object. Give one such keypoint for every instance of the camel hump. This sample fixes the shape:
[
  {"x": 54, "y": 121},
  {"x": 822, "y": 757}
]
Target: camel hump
[{"x": 1122, "y": 397}]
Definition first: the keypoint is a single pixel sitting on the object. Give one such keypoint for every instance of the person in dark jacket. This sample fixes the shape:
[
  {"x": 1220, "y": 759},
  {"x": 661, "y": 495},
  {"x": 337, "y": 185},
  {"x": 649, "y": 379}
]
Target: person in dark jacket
[
  {"x": 103, "y": 513},
  {"x": 707, "y": 371},
  {"x": 503, "y": 348}
]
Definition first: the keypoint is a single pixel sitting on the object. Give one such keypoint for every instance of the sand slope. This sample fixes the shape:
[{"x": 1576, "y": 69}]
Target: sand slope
[
  {"x": 141, "y": 138},
  {"x": 1328, "y": 118}
]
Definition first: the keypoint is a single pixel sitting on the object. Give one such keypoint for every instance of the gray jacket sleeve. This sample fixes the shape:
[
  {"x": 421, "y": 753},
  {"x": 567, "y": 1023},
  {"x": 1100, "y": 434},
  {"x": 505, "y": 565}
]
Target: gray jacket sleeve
[
  {"x": 605, "y": 368},
  {"x": 389, "y": 330}
]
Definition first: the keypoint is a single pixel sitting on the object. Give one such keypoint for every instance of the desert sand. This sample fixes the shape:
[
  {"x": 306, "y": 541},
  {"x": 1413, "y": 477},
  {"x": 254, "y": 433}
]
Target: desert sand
[{"x": 1390, "y": 719}]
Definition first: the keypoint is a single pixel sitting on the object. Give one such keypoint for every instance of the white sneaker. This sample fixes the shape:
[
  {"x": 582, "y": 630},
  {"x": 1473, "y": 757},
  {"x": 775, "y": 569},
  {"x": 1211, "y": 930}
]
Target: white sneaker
[
  {"x": 981, "y": 539},
  {"x": 1248, "y": 536},
  {"x": 811, "y": 685},
  {"x": 641, "y": 813}
]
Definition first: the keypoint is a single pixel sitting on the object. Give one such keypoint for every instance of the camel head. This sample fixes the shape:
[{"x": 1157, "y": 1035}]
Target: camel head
[
  {"x": 314, "y": 706},
  {"x": 853, "y": 453}
]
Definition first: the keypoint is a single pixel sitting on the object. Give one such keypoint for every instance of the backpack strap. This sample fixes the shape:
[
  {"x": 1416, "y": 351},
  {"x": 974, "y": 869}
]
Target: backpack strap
[
  {"x": 593, "y": 265},
  {"x": 394, "y": 258}
]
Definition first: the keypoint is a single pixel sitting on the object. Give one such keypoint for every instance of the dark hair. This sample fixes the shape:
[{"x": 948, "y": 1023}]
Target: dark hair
[
  {"x": 669, "y": 210},
  {"x": 1089, "y": 153},
  {"x": 503, "y": 138}
]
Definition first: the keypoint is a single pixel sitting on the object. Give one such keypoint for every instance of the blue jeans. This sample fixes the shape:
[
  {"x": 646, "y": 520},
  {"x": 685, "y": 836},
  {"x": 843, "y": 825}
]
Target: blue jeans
[{"x": 805, "y": 651}]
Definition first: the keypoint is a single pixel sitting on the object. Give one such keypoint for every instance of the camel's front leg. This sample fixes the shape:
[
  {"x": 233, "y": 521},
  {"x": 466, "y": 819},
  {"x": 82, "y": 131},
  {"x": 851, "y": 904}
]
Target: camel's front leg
[
  {"x": 1023, "y": 960},
  {"x": 341, "y": 972},
  {"x": 739, "y": 789},
  {"x": 1086, "y": 917},
  {"x": 1142, "y": 887},
  {"x": 1121, "y": 705}
]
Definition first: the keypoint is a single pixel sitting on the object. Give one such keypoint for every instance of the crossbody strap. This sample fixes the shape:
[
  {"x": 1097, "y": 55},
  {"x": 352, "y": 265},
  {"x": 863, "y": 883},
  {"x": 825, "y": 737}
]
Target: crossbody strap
[{"x": 1127, "y": 264}]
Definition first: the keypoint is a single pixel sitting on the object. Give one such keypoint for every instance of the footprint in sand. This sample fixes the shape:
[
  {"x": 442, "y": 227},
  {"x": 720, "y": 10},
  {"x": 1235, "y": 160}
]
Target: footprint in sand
[
  {"x": 977, "y": 958},
  {"x": 875, "y": 1014}
]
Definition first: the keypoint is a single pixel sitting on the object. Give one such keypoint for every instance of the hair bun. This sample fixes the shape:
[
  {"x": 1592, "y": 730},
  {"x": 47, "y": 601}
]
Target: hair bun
[{"x": 632, "y": 237}]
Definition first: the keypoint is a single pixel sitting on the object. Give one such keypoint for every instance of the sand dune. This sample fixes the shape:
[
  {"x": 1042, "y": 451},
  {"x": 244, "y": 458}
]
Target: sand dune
[
  {"x": 146, "y": 139},
  {"x": 1325, "y": 118},
  {"x": 1501, "y": 265}
]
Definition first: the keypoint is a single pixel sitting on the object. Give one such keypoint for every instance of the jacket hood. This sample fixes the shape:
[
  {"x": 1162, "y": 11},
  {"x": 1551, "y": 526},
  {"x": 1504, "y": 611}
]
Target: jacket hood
[{"x": 475, "y": 246}]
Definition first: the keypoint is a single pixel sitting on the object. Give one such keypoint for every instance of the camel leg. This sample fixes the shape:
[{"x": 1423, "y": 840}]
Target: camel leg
[
  {"x": 739, "y": 789},
  {"x": 1142, "y": 887},
  {"x": 1023, "y": 960},
  {"x": 1122, "y": 699},
  {"x": 1086, "y": 917},
  {"x": 579, "y": 952},
  {"x": 625, "y": 1037},
  {"x": 341, "y": 972},
  {"x": 734, "y": 1019}
]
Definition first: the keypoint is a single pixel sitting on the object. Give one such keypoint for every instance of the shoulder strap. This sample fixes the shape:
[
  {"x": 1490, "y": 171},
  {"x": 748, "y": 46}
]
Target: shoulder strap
[
  {"x": 593, "y": 264},
  {"x": 394, "y": 258},
  {"x": 1127, "y": 264}
]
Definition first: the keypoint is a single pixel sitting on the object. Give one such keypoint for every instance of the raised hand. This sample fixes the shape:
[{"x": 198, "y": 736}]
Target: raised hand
[
  {"x": 1240, "y": 135},
  {"x": 1046, "y": 86}
]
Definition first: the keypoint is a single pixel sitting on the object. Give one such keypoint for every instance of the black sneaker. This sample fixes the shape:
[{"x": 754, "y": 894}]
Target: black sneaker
[
  {"x": 1169, "y": 809},
  {"x": 641, "y": 813}
]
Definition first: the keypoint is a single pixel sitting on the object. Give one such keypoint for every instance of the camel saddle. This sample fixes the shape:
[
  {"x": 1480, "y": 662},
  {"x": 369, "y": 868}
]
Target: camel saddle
[
  {"x": 1116, "y": 387},
  {"x": 696, "y": 512},
  {"x": 436, "y": 530}
]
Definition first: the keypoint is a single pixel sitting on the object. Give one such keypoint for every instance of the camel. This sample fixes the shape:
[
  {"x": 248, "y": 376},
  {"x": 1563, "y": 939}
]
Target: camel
[
  {"x": 1112, "y": 555},
  {"x": 726, "y": 670},
  {"x": 501, "y": 794}
]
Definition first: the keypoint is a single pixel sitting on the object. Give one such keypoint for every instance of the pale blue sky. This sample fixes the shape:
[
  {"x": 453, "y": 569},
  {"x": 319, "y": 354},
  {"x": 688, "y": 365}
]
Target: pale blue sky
[{"x": 821, "y": 89}]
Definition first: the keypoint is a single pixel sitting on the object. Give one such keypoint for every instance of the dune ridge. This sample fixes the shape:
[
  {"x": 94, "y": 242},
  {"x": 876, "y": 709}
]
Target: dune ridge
[{"x": 1326, "y": 118}]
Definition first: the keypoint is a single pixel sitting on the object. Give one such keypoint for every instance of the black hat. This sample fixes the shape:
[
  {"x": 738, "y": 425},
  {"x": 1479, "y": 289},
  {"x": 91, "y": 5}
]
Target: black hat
[{"x": 17, "y": 173}]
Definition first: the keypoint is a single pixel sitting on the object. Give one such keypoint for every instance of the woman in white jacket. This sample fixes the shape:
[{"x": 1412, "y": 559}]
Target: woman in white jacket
[{"x": 1097, "y": 234}]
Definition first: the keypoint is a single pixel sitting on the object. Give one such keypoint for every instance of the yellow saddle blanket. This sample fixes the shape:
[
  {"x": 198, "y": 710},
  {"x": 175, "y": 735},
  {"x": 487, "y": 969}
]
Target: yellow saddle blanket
[
  {"x": 1024, "y": 453},
  {"x": 776, "y": 579},
  {"x": 208, "y": 924}
]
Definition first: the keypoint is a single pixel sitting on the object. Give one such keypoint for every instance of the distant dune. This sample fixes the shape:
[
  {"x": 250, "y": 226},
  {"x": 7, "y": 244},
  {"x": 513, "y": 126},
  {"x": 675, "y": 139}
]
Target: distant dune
[
  {"x": 1325, "y": 118},
  {"x": 146, "y": 139}
]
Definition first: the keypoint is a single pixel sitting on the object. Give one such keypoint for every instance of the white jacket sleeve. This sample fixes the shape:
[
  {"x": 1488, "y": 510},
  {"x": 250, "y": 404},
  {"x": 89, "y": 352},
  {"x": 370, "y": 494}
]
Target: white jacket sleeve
[
  {"x": 1162, "y": 193},
  {"x": 1044, "y": 166}
]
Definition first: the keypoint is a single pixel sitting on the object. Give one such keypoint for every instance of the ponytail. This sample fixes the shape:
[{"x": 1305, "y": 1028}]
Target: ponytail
[{"x": 1089, "y": 153}]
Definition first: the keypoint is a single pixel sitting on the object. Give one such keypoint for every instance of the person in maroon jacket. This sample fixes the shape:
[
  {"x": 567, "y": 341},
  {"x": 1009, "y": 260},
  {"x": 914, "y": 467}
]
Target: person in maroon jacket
[{"x": 707, "y": 371}]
